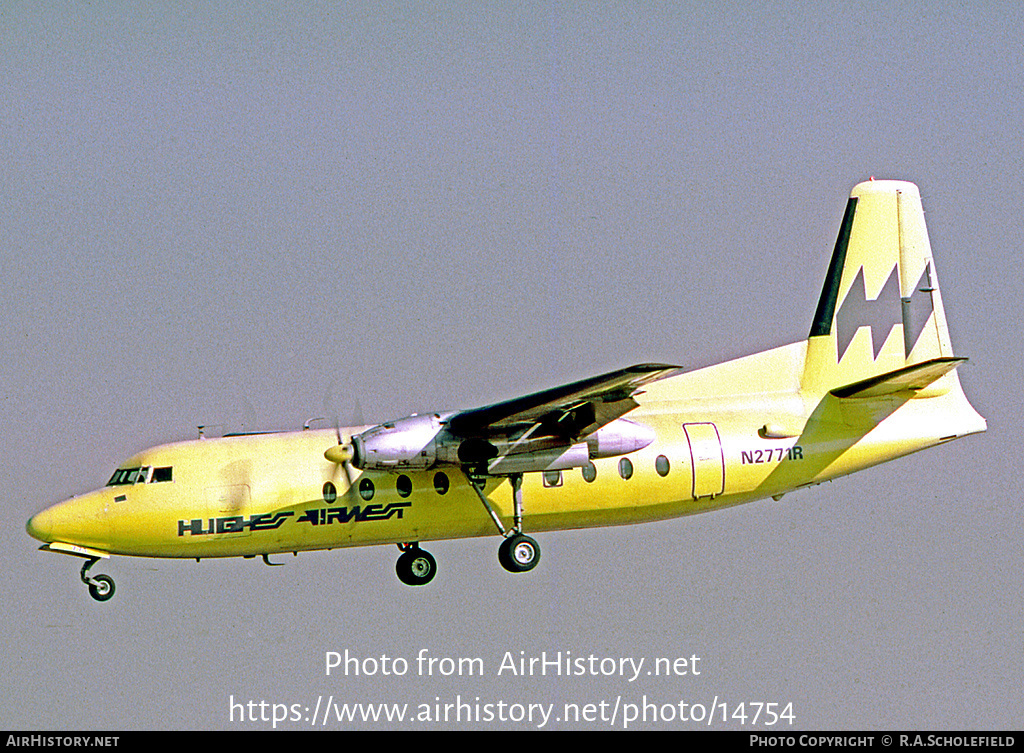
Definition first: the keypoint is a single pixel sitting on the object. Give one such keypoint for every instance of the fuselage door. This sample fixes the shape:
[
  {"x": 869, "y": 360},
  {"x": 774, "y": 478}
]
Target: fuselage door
[{"x": 707, "y": 458}]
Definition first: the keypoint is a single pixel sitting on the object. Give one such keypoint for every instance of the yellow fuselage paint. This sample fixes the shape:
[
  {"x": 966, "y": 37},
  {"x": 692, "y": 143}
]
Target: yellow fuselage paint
[{"x": 264, "y": 494}]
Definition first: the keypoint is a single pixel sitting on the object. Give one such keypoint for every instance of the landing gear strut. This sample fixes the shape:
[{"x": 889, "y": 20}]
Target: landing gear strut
[
  {"x": 415, "y": 567},
  {"x": 518, "y": 553},
  {"x": 101, "y": 587}
]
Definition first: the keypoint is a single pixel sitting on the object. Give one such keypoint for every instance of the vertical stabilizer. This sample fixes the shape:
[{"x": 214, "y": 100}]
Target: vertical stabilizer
[{"x": 880, "y": 309}]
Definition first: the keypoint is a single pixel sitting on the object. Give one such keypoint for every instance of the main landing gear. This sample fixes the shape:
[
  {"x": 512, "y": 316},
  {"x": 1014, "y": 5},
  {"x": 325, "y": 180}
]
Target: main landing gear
[
  {"x": 101, "y": 587},
  {"x": 518, "y": 553}
]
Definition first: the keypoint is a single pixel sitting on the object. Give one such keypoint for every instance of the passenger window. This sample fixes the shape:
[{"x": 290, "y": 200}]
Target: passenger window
[
  {"x": 626, "y": 468},
  {"x": 366, "y": 489},
  {"x": 589, "y": 472},
  {"x": 661, "y": 465},
  {"x": 404, "y": 486},
  {"x": 330, "y": 493},
  {"x": 440, "y": 483}
]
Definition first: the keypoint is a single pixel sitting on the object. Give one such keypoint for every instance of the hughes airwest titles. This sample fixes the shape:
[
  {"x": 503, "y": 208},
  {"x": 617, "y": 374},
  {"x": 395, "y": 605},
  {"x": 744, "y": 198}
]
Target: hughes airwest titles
[{"x": 874, "y": 380}]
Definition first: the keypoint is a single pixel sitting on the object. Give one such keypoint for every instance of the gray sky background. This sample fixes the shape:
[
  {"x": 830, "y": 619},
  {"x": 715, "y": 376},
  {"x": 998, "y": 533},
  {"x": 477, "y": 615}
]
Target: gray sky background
[{"x": 254, "y": 215}]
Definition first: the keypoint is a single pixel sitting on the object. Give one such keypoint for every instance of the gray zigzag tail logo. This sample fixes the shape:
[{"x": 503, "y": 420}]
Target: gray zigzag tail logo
[{"x": 884, "y": 312}]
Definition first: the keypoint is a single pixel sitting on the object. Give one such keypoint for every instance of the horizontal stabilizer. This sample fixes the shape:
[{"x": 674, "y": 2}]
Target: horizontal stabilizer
[{"x": 912, "y": 378}]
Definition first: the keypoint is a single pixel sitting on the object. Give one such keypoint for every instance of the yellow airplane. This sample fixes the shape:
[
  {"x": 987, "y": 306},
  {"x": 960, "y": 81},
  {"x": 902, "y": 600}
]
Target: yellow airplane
[{"x": 873, "y": 381}]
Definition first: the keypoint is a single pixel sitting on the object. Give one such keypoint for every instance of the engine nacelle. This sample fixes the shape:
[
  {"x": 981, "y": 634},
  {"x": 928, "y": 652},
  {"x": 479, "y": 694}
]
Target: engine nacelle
[
  {"x": 556, "y": 459},
  {"x": 409, "y": 443},
  {"x": 620, "y": 437},
  {"x": 419, "y": 442}
]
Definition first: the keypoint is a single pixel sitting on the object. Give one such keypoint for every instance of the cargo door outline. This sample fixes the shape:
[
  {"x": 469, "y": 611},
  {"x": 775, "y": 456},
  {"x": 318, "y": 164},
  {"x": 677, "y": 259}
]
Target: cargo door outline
[{"x": 707, "y": 459}]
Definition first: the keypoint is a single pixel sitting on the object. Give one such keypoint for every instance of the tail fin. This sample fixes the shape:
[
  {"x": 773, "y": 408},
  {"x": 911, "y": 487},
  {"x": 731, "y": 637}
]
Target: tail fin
[{"x": 880, "y": 310}]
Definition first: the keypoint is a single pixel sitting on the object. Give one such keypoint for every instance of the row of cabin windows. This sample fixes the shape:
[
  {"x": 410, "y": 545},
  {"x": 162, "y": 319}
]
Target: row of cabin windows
[
  {"x": 403, "y": 484},
  {"x": 661, "y": 465}
]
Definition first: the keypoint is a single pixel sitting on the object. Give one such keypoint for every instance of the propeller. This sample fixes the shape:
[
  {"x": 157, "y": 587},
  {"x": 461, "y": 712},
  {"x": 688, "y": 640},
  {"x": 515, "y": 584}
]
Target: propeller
[{"x": 342, "y": 455}]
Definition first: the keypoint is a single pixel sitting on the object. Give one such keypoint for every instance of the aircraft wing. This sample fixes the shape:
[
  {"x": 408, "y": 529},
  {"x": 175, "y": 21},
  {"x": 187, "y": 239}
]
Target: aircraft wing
[{"x": 571, "y": 410}]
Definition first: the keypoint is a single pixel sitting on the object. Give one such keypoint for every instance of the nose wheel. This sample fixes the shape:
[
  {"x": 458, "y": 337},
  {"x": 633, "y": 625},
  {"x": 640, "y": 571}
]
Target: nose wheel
[{"x": 101, "y": 587}]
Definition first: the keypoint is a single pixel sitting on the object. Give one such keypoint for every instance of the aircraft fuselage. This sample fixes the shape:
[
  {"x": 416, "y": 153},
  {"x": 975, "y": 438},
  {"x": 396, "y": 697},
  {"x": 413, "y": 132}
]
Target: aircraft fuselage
[{"x": 271, "y": 493}]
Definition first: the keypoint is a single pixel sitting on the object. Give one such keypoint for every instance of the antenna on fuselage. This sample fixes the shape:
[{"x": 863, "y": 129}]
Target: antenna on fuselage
[{"x": 204, "y": 427}]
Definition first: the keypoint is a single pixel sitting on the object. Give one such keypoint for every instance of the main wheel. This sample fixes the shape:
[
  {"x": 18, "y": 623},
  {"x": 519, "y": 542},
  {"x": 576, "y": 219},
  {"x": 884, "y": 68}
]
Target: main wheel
[
  {"x": 416, "y": 567},
  {"x": 101, "y": 587},
  {"x": 519, "y": 553}
]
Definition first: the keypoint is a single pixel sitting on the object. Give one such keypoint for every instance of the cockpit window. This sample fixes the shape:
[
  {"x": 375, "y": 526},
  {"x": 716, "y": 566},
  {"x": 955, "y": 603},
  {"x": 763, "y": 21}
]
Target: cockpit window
[
  {"x": 124, "y": 476},
  {"x": 144, "y": 475}
]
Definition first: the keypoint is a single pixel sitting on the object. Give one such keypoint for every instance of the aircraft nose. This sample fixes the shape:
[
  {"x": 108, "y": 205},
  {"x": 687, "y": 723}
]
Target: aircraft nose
[
  {"x": 40, "y": 526},
  {"x": 81, "y": 520}
]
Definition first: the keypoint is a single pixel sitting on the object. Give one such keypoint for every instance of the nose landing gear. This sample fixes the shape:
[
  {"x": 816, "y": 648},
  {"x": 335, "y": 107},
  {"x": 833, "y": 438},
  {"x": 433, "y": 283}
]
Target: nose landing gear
[{"x": 101, "y": 587}]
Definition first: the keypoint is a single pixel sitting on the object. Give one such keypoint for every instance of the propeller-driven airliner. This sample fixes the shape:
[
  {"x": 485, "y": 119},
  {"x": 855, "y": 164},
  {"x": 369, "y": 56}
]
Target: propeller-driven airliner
[{"x": 874, "y": 380}]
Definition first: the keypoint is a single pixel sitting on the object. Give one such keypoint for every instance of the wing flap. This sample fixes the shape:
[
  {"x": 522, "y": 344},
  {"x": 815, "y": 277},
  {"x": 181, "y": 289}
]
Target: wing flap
[{"x": 571, "y": 409}]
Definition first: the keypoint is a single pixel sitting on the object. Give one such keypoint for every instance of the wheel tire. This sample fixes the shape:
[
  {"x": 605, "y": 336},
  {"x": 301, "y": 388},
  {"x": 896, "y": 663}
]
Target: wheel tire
[
  {"x": 519, "y": 553},
  {"x": 101, "y": 587},
  {"x": 416, "y": 567}
]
